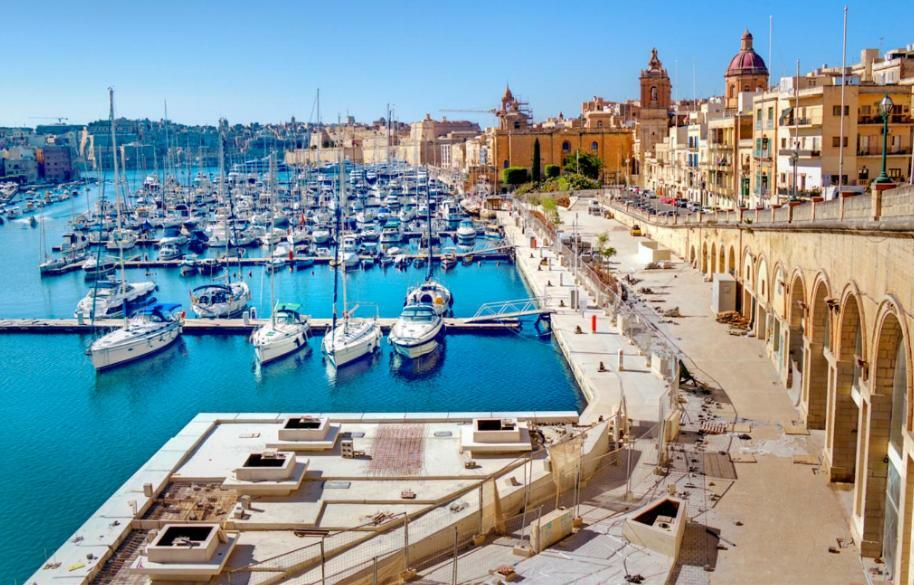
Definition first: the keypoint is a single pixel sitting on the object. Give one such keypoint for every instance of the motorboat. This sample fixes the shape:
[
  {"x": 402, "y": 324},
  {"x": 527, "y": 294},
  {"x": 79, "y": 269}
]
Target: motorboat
[
  {"x": 217, "y": 300},
  {"x": 448, "y": 259},
  {"x": 121, "y": 239},
  {"x": 416, "y": 331},
  {"x": 99, "y": 267},
  {"x": 149, "y": 331},
  {"x": 285, "y": 333},
  {"x": 111, "y": 298},
  {"x": 466, "y": 233},
  {"x": 351, "y": 339},
  {"x": 170, "y": 252},
  {"x": 188, "y": 265}
]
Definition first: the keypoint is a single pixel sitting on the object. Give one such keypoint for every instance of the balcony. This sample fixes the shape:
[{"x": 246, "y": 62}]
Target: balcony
[
  {"x": 893, "y": 119},
  {"x": 801, "y": 121},
  {"x": 877, "y": 151},
  {"x": 762, "y": 154}
]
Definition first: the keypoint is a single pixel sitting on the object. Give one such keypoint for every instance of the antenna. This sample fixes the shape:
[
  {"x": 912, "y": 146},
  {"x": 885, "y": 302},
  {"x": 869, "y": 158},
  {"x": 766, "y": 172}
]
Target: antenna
[{"x": 770, "y": 42}]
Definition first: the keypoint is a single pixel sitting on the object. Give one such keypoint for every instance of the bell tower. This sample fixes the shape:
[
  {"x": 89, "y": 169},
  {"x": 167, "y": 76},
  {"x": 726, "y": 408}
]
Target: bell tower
[{"x": 654, "y": 118}]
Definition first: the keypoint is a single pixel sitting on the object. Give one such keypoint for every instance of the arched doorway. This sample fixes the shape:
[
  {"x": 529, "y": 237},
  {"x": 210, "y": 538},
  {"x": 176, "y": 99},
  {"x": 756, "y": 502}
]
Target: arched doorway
[
  {"x": 762, "y": 301},
  {"x": 714, "y": 258},
  {"x": 731, "y": 262},
  {"x": 748, "y": 272},
  {"x": 721, "y": 260},
  {"x": 880, "y": 485},
  {"x": 692, "y": 256},
  {"x": 704, "y": 257},
  {"x": 842, "y": 437},
  {"x": 818, "y": 340},
  {"x": 796, "y": 311}
]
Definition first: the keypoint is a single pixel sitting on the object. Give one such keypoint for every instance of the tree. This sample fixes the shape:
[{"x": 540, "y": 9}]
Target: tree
[
  {"x": 582, "y": 163},
  {"x": 536, "y": 161},
  {"x": 605, "y": 251},
  {"x": 515, "y": 176},
  {"x": 553, "y": 171}
]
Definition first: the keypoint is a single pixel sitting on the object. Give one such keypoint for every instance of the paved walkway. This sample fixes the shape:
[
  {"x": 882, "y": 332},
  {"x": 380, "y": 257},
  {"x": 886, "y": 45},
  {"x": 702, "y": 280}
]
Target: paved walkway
[
  {"x": 764, "y": 518},
  {"x": 636, "y": 384}
]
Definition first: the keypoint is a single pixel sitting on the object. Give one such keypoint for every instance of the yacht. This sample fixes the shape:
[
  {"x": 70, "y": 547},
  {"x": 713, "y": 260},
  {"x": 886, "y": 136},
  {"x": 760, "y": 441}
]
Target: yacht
[
  {"x": 217, "y": 301},
  {"x": 285, "y": 333},
  {"x": 169, "y": 252},
  {"x": 431, "y": 292},
  {"x": 121, "y": 239},
  {"x": 95, "y": 268},
  {"x": 108, "y": 299},
  {"x": 153, "y": 329},
  {"x": 416, "y": 331},
  {"x": 466, "y": 233}
]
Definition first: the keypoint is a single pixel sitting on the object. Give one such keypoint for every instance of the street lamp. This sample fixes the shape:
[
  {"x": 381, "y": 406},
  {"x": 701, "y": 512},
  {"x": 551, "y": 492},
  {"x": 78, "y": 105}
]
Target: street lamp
[{"x": 885, "y": 108}]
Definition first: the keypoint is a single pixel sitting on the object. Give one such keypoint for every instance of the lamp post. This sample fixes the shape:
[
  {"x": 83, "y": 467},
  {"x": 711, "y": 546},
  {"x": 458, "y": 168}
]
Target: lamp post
[{"x": 885, "y": 108}]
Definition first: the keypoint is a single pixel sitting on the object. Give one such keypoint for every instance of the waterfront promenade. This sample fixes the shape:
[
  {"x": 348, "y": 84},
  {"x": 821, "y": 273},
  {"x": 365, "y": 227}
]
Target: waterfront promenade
[
  {"x": 780, "y": 489},
  {"x": 635, "y": 385}
]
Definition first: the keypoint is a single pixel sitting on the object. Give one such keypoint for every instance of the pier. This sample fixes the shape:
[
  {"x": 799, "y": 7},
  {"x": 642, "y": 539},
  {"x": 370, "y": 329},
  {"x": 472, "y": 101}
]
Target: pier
[{"x": 234, "y": 326}]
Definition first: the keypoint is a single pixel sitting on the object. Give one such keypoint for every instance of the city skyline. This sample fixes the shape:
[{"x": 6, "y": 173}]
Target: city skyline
[{"x": 267, "y": 67}]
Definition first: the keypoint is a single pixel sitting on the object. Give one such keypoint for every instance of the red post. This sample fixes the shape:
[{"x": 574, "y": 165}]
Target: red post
[{"x": 593, "y": 323}]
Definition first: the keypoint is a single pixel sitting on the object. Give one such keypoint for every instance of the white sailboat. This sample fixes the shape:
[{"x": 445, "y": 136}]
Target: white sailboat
[
  {"x": 431, "y": 292},
  {"x": 350, "y": 338},
  {"x": 416, "y": 331},
  {"x": 217, "y": 300},
  {"x": 149, "y": 331},
  {"x": 287, "y": 330},
  {"x": 152, "y": 330}
]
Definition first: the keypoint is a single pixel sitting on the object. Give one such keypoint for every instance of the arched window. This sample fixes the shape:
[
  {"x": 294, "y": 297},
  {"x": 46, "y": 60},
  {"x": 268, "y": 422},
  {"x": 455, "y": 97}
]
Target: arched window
[
  {"x": 594, "y": 146},
  {"x": 599, "y": 123},
  {"x": 506, "y": 163},
  {"x": 566, "y": 146},
  {"x": 516, "y": 124},
  {"x": 654, "y": 93}
]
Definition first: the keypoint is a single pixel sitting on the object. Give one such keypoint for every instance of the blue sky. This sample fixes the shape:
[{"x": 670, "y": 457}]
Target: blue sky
[{"x": 264, "y": 60}]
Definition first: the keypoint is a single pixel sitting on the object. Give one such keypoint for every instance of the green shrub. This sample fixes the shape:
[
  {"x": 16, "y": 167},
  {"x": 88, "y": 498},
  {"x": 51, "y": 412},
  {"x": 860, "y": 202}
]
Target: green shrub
[
  {"x": 515, "y": 175},
  {"x": 553, "y": 171}
]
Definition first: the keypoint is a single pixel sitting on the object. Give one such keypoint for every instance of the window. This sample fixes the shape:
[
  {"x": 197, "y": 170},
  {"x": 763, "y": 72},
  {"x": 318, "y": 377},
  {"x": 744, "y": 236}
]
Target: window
[
  {"x": 594, "y": 146},
  {"x": 566, "y": 146},
  {"x": 654, "y": 93},
  {"x": 758, "y": 115},
  {"x": 835, "y": 141},
  {"x": 516, "y": 124},
  {"x": 506, "y": 163},
  {"x": 783, "y": 142},
  {"x": 836, "y": 110},
  {"x": 895, "y": 173},
  {"x": 599, "y": 123},
  {"x": 771, "y": 113}
]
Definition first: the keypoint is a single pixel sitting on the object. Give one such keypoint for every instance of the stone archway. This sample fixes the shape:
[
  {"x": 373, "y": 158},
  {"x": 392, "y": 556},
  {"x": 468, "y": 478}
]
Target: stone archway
[
  {"x": 692, "y": 256},
  {"x": 796, "y": 313},
  {"x": 841, "y": 438},
  {"x": 880, "y": 490},
  {"x": 731, "y": 262},
  {"x": 713, "y": 258},
  {"x": 704, "y": 257},
  {"x": 721, "y": 260},
  {"x": 818, "y": 340}
]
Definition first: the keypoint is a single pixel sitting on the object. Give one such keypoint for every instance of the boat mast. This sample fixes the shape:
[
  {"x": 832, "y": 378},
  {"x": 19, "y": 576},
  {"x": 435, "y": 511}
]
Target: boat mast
[
  {"x": 270, "y": 239},
  {"x": 117, "y": 203},
  {"x": 341, "y": 207},
  {"x": 428, "y": 218},
  {"x": 336, "y": 254}
]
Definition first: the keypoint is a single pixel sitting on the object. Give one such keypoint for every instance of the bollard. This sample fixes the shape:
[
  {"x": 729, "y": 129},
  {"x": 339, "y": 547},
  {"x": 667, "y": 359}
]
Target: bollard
[
  {"x": 246, "y": 317},
  {"x": 621, "y": 358},
  {"x": 593, "y": 323}
]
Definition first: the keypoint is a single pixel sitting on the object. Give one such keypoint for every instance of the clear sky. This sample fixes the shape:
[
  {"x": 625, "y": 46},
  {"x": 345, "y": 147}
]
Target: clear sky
[{"x": 263, "y": 60}]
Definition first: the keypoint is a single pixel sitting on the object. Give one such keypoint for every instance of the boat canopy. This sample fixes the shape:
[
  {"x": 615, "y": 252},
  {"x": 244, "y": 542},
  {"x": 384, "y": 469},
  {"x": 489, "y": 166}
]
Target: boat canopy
[
  {"x": 288, "y": 307},
  {"x": 162, "y": 308},
  {"x": 214, "y": 286},
  {"x": 419, "y": 312}
]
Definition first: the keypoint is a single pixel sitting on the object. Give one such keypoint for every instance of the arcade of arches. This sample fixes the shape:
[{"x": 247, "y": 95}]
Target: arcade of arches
[{"x": 833, "y": 310}]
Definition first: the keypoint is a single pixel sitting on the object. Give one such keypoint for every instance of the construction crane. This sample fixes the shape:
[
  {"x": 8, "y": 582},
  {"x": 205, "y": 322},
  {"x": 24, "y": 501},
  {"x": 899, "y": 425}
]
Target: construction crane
[{"x": 60, "y": 119}]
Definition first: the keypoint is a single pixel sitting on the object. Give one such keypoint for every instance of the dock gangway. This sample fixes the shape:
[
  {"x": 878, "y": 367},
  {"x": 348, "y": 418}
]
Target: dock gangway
[{"x": 514, "y": 309}]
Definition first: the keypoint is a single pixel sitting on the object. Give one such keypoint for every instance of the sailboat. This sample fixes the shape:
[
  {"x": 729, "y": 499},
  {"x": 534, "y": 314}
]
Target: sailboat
[
  {"x": 218, "y": 300},
  {"x": 153, "y": 329},
  {"x": 431, "y": 292},
  {"x": 287, "y": 330},
  {"x": 150, "y": 330},
  {"x": 112, "y": 298},
  {"x": 351, "y": 338}
]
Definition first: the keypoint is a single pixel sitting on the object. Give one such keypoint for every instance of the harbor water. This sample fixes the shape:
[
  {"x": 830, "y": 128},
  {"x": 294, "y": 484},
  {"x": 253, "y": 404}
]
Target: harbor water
[{"x": 73, "y": 436}]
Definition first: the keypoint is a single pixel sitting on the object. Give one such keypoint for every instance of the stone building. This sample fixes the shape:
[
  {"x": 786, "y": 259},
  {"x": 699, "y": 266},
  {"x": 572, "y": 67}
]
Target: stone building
[
  {"x": 513, "y": 142},
  {"x": 655, "y": 104},
  {"x": 747, "y": 72}
]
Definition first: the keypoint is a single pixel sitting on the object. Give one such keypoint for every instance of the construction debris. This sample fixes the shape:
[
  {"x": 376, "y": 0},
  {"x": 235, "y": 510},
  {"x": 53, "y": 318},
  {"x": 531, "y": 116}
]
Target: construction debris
[
  {"x": 734, "y": 319},
  {"x": 674, "y": 312}
]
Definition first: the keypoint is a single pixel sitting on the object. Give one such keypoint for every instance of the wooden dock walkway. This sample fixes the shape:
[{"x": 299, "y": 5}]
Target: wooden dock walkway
[{"x": 228, "y": 326}]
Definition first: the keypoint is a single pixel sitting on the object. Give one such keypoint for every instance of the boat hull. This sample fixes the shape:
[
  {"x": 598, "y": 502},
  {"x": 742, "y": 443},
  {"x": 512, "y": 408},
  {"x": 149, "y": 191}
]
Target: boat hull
[
  {"x": 341, "y": 354},
  {"x": 107, "y": 358},
  {"x": 280, "y": 348}
]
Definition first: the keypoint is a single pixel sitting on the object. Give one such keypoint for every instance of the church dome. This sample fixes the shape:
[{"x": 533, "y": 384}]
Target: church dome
[{"x": 747, "y": 61}]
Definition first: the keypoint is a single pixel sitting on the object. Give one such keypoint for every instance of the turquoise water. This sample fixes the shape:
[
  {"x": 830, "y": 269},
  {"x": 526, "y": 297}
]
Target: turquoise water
[{"x": 71, "y": 437}]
